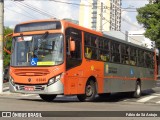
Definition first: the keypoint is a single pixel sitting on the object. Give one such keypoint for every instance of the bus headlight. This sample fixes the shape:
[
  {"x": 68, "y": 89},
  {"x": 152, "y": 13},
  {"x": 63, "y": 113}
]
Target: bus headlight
[
  {"x": 11, "y": 80},
  {"x": 57, "y": 78},
  {"x": 53, "y": 80}
]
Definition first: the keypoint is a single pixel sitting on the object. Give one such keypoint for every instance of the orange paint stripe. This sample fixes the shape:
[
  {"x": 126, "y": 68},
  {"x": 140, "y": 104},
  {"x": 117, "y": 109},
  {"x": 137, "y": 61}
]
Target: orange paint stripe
[{"x": 127, "y": 78}]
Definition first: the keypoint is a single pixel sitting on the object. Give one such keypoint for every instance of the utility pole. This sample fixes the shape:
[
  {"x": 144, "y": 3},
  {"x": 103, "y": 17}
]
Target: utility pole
[
  {"x": 1, "y": 44},
  {"x": 101, "y": 17}
]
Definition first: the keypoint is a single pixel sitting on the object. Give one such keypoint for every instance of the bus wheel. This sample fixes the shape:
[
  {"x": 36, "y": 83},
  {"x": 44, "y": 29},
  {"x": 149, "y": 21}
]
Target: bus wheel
[
  {"x": 137, "y": 92},
  {"x": 90, "y": 92},
  {"x": 47, "y": 98}
]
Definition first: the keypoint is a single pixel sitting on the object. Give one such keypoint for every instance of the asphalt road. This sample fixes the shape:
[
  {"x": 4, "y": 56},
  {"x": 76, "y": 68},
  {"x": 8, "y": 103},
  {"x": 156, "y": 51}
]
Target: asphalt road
[{"x": 150, "y": 101}]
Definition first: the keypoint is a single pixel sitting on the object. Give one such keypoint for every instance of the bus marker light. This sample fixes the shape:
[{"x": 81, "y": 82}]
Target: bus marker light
[{"x": 92, "y": 67}]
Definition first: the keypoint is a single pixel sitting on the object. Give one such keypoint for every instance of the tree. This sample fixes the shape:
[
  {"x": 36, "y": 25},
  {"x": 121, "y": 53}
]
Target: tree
[
  {"x": 6, "y": 56},
  {"x": 149, "y": 17}
]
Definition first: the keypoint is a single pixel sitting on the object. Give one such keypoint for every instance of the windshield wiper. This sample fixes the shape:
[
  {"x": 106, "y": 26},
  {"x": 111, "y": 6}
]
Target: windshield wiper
[
  {"x": 42, "y": 40},
  {"x": 21, "y": 35},
  {"x": 44, "y": 35}
]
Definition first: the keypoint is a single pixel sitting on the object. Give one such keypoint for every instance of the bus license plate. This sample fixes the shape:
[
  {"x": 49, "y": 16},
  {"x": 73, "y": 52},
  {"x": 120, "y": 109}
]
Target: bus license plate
[{"x": 29, "y": 88}]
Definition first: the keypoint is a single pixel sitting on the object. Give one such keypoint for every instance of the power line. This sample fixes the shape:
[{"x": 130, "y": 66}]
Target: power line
[
  {"x": 129, "y": 11},
  {"x": 32, "y": 8},
  {"x": 70, "y": 3},
  {"x": 23, "y": 9},
  {"x": 46, "y": 12},
  {"x": 49, "y": 15},
  {"x": 19, "y": 13},
  {"x": 42, "y": 12},
  {"x": 124, "y": 18},
  {"x": 99, "y": 7},
  {"x": 120, "y": 31}
]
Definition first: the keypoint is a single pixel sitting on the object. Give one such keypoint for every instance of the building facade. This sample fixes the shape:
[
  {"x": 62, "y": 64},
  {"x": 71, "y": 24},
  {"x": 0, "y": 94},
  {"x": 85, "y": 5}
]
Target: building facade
[
  {"x": 100, "y": 15},
  {"x": 137, "y": 37}
]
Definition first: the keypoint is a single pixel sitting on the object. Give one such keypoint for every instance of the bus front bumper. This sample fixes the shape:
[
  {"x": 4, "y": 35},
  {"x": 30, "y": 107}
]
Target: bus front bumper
[{"x": 56, "y": 88}]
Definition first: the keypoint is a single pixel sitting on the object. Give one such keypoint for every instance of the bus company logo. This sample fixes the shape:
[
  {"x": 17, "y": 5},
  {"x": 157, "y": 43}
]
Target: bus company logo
[
  {"x": 29, "y": 79},
  {"x": 107, "y": 70}
]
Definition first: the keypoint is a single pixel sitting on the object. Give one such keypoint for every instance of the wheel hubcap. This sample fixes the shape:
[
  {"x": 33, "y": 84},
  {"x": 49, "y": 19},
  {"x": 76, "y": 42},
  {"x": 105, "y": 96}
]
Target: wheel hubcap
[
  {"x": 138, "y": 90},
  {"x": 89, "y": 90}
]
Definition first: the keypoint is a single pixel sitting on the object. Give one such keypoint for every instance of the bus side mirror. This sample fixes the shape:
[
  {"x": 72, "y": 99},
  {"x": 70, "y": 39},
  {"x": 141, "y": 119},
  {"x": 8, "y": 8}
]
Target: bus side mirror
[
  {"x": 5, "y": 43},
  {"x": 72, "y": 44}
]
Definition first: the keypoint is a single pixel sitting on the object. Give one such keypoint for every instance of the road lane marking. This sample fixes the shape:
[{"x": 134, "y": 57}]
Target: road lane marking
[
  {"x": 26, "y": 95},
  {"x": 146, "y": 99},
  {"x": 158, "y": 102},
  {"x": 156, "y": 94}
]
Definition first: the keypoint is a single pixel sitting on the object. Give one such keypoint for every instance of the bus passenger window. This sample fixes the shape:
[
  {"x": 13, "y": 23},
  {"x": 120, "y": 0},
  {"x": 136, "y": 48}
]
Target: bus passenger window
[
  {"x": 127, "y": 55},
  {"x": 141, "y": 58},
  {"x": 125, "y": 52},
  {"x": 115, "y": 52},
  {"x": 133, "y": 56},
  {"x": 94, "y": 41},
  {"x": 87, "y": 39},
  {"x": 148, "y": 60},
  {"x": 88, "y": 52},
  {"x": 104, "y": 55}
]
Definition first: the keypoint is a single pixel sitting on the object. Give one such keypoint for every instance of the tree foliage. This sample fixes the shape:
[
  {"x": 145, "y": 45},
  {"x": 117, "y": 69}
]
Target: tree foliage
[
  {"x": 149, "y": 17},
  {"x": 6, "y": 56}
]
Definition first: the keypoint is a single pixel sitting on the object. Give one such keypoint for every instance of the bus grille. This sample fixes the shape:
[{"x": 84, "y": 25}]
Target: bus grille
[
  {"x": 36, "y": 87},
  {"x": 31, "y": 72}
]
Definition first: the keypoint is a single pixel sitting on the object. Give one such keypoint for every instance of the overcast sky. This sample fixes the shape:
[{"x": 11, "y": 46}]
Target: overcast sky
[{"x": 16, "y": 12}]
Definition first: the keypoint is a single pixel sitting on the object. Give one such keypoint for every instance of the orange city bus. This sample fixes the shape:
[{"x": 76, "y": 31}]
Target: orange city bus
[{"x": 57, "y": 57}]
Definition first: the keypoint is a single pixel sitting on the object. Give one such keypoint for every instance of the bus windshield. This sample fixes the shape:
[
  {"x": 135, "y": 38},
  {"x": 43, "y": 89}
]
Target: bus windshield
[{"x": 37, "y": 50}]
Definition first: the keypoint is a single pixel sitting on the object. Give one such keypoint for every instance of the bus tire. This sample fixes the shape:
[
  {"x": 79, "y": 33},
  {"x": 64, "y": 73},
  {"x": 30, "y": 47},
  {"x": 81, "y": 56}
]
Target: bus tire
[
  {"x": 90, "y": 92},
  {"x": 47, "y": 98},
  {"x": 137, "y": 92}
]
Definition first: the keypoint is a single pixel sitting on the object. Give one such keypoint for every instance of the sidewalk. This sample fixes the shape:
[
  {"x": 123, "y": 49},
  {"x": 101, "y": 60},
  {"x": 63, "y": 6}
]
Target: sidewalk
[
  {"x": 6, "y": 84},
  {"x": 6, "y": 89}
]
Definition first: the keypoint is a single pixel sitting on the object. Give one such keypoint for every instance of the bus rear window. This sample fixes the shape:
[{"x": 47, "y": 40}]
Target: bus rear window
[{"x": 37, "y": 26}]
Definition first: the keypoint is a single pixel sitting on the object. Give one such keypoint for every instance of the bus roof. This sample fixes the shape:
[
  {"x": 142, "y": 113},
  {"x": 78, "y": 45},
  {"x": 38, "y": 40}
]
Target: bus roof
[
  {"x": 126, "y": 42},
  {"x": 70, "y": 24},
  {"x": 33, "y": 21}
]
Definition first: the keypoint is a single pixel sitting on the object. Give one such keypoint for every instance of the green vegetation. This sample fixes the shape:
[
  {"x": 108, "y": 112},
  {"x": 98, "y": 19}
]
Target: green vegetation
[
  {"x": 6, "y": 56},
  {"x": 149, "y": 17}
]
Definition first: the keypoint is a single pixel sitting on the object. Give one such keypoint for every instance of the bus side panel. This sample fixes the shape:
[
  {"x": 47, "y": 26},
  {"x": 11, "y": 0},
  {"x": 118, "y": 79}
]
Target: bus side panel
[
  {"x": 95, "y": 69},
  {"x": 147, "y": 78},
  {"x": 148, "y": 84},
  {"x": 122, "y": 78},
  {"x": 76, "y": 78}
]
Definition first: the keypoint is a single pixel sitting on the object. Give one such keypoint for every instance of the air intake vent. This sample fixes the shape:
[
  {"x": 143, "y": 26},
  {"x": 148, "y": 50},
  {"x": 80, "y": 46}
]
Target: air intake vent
[{"x": 31, "y": 72}]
